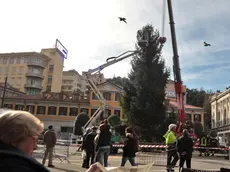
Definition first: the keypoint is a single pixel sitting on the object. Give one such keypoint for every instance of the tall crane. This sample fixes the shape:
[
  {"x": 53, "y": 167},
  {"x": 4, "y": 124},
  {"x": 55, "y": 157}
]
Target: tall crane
[{"x": 177, "y": 71}]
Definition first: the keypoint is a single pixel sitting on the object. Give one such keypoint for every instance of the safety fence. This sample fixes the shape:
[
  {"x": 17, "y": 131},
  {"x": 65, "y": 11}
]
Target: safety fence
[{"x": 147, "y": 153}]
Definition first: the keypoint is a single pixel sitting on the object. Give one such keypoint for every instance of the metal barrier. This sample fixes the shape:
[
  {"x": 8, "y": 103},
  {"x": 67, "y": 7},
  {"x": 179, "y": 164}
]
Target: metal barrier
[
  {"x": 158, "y": 159},
  {"x": 61, "y": 150}
]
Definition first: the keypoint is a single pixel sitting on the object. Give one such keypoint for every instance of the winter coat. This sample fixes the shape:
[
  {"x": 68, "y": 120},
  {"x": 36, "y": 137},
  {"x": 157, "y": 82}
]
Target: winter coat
[
  {"x": 50, "y": 138},
  {"x": 103, "y": 139},
  {"x": 130, "y": 146},
  {"x": 14, "y": 160},
  {"x": 185, "y": 145},
  {"x": 88, "y": 143}
]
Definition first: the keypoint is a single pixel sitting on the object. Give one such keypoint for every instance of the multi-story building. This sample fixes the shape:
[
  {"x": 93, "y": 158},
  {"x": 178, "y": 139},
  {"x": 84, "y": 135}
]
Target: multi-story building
[
  {"x": 57, "y": 109},
  {"x": 72, "y": 82},
  {"x": 193, "y": 113},
  {"x": 111, "y": 93},
  {"x": 32, "y": 72},
  {"x": 220, "y": 108},
  {"x": 24, "y": 71},
  {"x": 53, "y": 72}
]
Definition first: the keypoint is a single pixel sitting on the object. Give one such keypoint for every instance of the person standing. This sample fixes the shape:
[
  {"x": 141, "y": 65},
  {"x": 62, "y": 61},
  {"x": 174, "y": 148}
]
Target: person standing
[
  {"x": 89, "y": 148},
  {"x": 130, "y": 147},
  {"x": 50, "y": 140},
  {"x": 185, "y": 149},
  {"x": 171, "y": 143},
  {"x": 103, "y": 143}
]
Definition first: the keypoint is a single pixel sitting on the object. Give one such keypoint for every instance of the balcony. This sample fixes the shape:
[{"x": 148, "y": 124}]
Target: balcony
[
  {"x": 37, "y": 86},
  {"x": 33, "y": 74},
  {"x": 36, "y": 63}
]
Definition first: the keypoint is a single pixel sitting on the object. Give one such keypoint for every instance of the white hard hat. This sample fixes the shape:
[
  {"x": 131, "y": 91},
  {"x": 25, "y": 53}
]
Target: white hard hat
[{"x": 171, "y": 126}]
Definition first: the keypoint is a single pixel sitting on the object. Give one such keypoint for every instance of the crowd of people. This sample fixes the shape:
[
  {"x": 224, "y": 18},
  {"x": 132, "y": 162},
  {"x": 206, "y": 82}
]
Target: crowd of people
[{"x": 96, "y": 147}]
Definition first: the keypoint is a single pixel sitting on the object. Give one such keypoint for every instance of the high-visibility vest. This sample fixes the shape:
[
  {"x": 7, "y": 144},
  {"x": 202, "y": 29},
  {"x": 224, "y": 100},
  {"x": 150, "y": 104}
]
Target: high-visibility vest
[{"x": 203, "y": 141}]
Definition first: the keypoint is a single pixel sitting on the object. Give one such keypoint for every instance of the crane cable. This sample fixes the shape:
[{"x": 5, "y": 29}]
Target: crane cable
[
  {"x": 163, "y": 18},
  {"x": 163, "y": 39}
]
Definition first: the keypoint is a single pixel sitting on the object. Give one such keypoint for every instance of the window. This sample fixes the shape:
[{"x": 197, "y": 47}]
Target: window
[
  {"x": 48, "y": 88},
  {"x": 6, "y": 70},
  {"x": 19, "y": 107},
  {"x": 0, "y": 70},
  {"x": 73, "y": 111},
  {"x": 5, "y": 60},
  {"x": 11, "y": 81},
  {"x": 94, "y": 96},
  {"x": 51, "y": 68},
  {"x": 12, "y": 60},
  {"x": 18, "y": 61},
  {"x": 117, "y": 96},
  {"x": 93, "y": 111},
  {"x": 66, "y": 129},
  {"x": 117, "y": 112},
  {"x": 225, "y": 117},
  {"x": 30, "y": 108},
  {"x": 20, "y": 69},
  {"x": 188, "y": 116},
  {"x": 13, "y": 70},
  {"x": 85, "y": 110},
  {"x": 19, "y": 81},
  {"x": 107, "y": 95},
  {"x": 41, "y": 110},
  {"x": 52, "y": 110},
  {"x": 107, "y": 113},
  {"x": 62, "y": 111},
  {"x": 50, "y": 79},
  {"x": 197, "y": 117}
]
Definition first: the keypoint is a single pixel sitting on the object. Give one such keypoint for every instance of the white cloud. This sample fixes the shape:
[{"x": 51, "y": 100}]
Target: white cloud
[{"x": 91, "y": 31}]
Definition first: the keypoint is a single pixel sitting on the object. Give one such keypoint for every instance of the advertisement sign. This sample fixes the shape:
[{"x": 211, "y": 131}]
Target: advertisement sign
[
  {"x": 61, "y": 48},
  {"x": 171, "y": 94}
]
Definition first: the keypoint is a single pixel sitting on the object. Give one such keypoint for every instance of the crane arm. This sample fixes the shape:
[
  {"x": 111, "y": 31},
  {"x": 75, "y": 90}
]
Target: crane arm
[
  {"x": 87, "y": 76},
  {"x": 176, "y": 70}
]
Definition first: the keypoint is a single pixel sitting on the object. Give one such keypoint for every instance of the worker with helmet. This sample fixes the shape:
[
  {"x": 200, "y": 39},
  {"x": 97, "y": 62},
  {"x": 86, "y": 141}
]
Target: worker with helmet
[{"x": 171, "y": 142}]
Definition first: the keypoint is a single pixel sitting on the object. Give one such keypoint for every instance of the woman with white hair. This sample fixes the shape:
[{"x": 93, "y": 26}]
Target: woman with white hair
[{"x": 19, "y": 131}]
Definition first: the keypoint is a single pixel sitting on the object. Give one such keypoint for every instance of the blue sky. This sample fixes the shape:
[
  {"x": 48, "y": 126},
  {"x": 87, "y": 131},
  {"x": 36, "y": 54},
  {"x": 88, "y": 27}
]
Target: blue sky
[{"x": 91, "y": 32}]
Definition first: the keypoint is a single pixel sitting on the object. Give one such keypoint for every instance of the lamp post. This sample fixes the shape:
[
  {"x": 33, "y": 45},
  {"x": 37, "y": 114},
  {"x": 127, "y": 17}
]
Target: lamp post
[{"x": 4, "y": 91}]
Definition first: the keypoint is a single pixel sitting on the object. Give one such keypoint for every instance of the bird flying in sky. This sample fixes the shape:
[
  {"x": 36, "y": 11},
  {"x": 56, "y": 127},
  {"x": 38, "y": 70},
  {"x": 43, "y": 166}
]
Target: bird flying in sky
[
  {"x": 122, "y": 19},
  {"x": 206, "y": 44}
]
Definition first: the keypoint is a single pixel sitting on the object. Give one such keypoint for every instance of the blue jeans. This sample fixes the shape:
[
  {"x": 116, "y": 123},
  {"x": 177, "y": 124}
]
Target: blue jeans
[
  {"x": 103, "y": 155},
  {"x": 131, "y": 160}
]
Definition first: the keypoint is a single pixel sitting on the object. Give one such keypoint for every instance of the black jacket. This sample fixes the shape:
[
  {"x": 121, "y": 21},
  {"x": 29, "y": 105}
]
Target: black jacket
[
  {"x": 88, "y": 143},
  {"x": 185, "y": 144},
  {"x": 104, "y": 139},
  {"x": 14, "y": 160},
  {"x": 131, "y": 146}
]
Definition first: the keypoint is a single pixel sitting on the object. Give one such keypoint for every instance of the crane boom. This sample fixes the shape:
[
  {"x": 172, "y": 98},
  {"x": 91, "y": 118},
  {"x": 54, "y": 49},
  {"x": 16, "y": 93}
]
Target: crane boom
[
  {"x": 88, "y": 78},
  {"x": 176, "y": 69}
]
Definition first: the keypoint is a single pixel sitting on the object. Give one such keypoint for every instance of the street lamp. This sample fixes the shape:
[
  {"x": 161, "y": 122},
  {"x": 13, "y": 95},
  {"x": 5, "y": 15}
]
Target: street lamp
[{"x": 4, "y": 89}]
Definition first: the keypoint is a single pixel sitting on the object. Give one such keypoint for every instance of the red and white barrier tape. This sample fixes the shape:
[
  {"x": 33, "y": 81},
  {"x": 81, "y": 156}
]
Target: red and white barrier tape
[{"x": 65, "y": 143}]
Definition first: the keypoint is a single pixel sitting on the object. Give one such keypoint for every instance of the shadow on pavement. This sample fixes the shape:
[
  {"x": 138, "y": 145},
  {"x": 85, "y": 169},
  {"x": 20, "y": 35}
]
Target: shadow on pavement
[{"x": 58, "y": 168}]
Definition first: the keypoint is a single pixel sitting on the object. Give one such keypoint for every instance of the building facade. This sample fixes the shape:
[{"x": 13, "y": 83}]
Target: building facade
[
  {"x": 111, "y": 93},
  {"x": 57, "y": 109},
  {"x": 193, "y": 113},
  {"x": 32, "y": 72},
  {"x": 72, "y": 82},
  {"x": 220, "y": 107}
]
